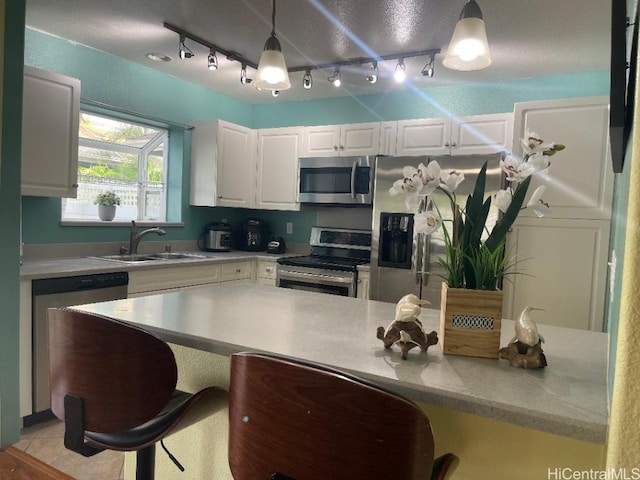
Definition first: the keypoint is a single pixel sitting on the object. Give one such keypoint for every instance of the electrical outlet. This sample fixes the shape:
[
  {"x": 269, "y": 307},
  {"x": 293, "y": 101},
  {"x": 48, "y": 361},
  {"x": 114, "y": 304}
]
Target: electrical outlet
[{"x": 289, "y": 228}]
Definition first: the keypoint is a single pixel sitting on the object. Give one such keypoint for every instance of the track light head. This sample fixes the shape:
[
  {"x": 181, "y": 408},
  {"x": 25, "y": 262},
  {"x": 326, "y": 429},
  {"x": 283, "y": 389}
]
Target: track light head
[
  {"x": 372, "y": 76},
  {"x": 183, "y": 50},
  {"x": 275, "y": 93},
  {"x": 244, "y": 80},
  {"x": 212, "y": 61},
  {"x": 427, "y": 70},
  {"x": 335, "y": 78},
  {"x": 307, "y": 80},
  {"x": 399, "y": 75}
]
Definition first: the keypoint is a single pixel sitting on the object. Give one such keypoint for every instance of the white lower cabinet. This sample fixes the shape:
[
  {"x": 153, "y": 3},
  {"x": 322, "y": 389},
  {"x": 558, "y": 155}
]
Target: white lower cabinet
[
  {"x": 561, "y": 268},
  {"x": 236, "y": 271},
  {"x": 266, "y": 272},
  {"x": 156, "y": 280},
  {"x": 362, "y": 289}
]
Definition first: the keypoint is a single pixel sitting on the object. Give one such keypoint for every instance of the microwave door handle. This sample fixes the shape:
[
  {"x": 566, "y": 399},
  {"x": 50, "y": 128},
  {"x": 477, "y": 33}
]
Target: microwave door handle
[{"x": 353, "y": 178}]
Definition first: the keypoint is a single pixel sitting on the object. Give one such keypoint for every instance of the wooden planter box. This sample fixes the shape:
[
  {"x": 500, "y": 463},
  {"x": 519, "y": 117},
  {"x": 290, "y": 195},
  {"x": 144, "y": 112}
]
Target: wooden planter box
[{"x": 470, "y": 321}]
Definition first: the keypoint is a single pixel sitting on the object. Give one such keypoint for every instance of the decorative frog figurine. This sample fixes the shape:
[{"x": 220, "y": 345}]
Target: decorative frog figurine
[{"x": 406, "y": 330}]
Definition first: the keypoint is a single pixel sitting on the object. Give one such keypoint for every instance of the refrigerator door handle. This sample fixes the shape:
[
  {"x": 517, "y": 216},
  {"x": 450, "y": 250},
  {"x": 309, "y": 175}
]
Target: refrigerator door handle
[{"x": 353, "y": 178}]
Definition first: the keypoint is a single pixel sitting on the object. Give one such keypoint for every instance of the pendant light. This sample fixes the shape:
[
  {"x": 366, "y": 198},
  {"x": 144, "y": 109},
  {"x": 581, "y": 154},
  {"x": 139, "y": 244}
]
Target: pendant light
[
  {"x": 272, "y": 71},
  {"x": 469, "y": 48}
]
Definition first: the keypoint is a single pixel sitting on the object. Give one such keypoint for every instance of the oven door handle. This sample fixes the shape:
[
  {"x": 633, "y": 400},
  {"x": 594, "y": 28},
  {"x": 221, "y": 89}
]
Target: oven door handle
[{"x": 317, "y": 277}]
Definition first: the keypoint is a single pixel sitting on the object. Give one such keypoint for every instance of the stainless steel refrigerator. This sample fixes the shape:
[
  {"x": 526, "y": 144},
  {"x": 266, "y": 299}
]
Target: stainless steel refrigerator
[{"x": 398, "y": 255}]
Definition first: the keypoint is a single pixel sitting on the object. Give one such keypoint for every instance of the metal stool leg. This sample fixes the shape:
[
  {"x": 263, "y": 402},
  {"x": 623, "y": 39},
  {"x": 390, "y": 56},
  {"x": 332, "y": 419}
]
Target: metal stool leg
[{"x": 145, "y": 463}]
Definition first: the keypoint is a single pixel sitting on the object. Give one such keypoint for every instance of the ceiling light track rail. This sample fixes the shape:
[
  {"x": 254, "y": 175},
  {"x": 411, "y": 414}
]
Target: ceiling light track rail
[
  {"x": 363, "y": 60},
  {"x": 230, "y": 54}
]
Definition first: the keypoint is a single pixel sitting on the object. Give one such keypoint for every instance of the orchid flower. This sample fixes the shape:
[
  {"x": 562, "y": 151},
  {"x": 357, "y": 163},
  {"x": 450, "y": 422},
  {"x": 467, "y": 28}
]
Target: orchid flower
[
  {"x": 540, "y": 162},
  {"x": 410, "y": 183},
  {"x": 426, "y": 222},
  {"x": 515, "y": 170},
  {"x": 503, "y": 199},
  {"x": 430, "y": 176},
  {"x": 451, "y": 180},
  {"x": 539, "y": 206},
  {"x": 532, "y": 143}
]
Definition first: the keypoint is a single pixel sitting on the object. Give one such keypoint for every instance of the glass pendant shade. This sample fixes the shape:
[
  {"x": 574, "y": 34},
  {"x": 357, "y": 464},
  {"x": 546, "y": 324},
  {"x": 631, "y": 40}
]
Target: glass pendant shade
[
  {"x": 272, "y": 71},
  {"x": 469, "y": 48}
]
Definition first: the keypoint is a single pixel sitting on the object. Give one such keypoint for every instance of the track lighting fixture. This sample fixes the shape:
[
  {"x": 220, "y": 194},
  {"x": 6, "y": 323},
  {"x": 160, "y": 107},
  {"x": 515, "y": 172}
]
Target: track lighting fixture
[
  {"x": 244, "y": 80},
  {"x": 372, "y": 76},
  {"x": 280, "y": 81},
  {"x": 183, "y": 50},
  {"x": 399, "y": 75},
  {"x": 427, "y": 70},
  {"x": 212, "y": 61},
  {"x": 307, "y": 80},
  {"x": 335, "y": 79},
  {"x": 272, "y": 71},
  {"x": 469, "y": 48}
]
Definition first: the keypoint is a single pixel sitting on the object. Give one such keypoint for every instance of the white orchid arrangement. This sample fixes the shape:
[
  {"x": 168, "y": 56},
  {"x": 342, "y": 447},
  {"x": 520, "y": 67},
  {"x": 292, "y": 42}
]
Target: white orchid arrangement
[{"x": 471, "y": 262}]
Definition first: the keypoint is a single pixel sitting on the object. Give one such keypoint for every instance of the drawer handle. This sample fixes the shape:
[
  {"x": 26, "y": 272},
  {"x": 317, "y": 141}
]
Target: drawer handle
[{"x": 238, "y": 270}]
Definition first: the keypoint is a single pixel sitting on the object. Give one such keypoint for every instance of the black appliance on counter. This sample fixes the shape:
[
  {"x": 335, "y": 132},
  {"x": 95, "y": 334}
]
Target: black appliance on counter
[
  {"x": 217, "y": 237},
  {"x": 252, "y": 235},
  {"x": 332, "y": 266},
  {"x": 276, "y": 245}
]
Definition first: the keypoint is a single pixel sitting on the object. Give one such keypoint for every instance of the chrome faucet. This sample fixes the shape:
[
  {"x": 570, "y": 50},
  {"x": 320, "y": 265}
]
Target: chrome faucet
[{"x": 135, "y": 237}]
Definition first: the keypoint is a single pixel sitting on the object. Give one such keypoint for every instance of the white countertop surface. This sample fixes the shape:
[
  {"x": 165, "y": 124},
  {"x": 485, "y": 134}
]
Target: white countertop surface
[
  {"x": 65, "y": 267},
  {"x": 569, "y": 397}
]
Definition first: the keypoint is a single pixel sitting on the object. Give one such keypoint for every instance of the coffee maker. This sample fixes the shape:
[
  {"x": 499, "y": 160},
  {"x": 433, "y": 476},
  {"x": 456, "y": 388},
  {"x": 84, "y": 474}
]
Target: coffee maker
[{"x": 252, "y": 235}]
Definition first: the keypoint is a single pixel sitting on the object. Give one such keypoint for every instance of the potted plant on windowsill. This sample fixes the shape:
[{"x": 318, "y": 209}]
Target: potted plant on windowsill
[
  {"x": 471, "y": 304},
  {"x": 107, "y": 202}
]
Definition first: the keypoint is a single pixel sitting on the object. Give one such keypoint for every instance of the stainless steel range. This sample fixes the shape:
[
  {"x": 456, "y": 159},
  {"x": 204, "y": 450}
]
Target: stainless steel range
[{"x": 332, "y": 266}]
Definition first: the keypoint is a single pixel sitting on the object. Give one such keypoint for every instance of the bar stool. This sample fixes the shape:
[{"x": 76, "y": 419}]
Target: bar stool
[
  {"x": 290, "y": 419},
  {"x": 113, "y": 385}
]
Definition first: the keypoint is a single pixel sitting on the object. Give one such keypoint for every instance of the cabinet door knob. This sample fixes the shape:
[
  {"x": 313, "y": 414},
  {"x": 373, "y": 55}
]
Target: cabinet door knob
[
  {"x": 219, "y": 196},
  {"x": 446, "y": 144},
  {"x": 341, "y": 147},
  {"x": 335, "y": 147},
  {"x": 454, "y": 144},
  {"x": 75, "y": 185},
  {"x": 238, "y": 270}
]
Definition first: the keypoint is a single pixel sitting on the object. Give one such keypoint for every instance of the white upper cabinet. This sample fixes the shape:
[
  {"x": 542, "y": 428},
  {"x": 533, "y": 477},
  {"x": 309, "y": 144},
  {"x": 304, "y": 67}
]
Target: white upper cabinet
[
  {"x": 341, "y": 140},
  {"x": 479, "y": 134},
  {"x": 50, "y": 120},
  {"x": 427, "y": 136},
  {"x": 223, "y": 165},
  {"x": 581, "y": 177},
  {"x": 388, "y": 134},
  {"x": 277, "y": 180}
]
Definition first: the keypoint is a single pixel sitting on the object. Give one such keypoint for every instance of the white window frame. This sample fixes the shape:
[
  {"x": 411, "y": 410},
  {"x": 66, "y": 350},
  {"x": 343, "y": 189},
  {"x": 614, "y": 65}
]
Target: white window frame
[{"x": 143, "y": 154}]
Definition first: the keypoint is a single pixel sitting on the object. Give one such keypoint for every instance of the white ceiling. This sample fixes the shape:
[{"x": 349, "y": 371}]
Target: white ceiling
[{"x": 527, "y": 38}]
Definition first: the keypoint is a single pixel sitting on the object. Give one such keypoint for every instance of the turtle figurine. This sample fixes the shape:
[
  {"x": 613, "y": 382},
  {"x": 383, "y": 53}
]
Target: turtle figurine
[{"x": 406, "y": 330}]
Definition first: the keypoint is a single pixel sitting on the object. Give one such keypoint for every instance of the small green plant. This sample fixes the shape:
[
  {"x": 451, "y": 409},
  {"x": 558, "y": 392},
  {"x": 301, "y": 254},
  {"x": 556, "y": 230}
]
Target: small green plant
[{"x": 108, "y": 199}]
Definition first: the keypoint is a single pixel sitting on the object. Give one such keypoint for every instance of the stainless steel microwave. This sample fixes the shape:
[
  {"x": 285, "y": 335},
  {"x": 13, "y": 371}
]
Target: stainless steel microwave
[{"x": 336, "y": 180}]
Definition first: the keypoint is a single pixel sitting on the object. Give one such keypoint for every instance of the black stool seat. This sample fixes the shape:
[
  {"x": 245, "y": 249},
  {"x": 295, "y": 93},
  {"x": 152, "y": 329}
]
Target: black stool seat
[{"x": 113, "y": 384}]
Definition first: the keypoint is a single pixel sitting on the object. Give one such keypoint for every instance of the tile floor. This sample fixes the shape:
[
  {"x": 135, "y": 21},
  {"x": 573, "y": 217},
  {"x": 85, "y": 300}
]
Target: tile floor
[{"x": 45, "y": 441}]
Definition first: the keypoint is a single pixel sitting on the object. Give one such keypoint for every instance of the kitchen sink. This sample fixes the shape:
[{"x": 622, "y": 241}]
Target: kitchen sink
[{"x": 148, "y": 257}]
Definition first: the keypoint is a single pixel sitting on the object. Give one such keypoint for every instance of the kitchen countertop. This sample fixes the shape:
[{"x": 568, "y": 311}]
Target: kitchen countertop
[
  {"x": 70, "y": 266},
  {"x": 567, "y": 398}
]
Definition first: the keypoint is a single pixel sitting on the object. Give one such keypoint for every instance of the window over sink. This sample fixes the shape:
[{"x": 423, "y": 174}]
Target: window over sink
[{"x": 120, "y": 156}]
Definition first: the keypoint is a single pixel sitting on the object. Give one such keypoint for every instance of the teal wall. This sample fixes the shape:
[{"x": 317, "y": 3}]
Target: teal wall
[
  {"x": 13, "y": 33},
  {"x": 434, "y": 102},
  {"x": 114, "y": 81}
]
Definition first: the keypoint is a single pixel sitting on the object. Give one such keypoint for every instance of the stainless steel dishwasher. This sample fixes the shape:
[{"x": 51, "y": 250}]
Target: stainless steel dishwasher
[{"x": 63, "y": 292}]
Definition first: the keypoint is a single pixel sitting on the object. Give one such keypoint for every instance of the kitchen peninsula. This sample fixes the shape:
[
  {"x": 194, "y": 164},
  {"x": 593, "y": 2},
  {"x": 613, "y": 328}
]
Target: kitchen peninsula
[{"x": 514, "y": 423}]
